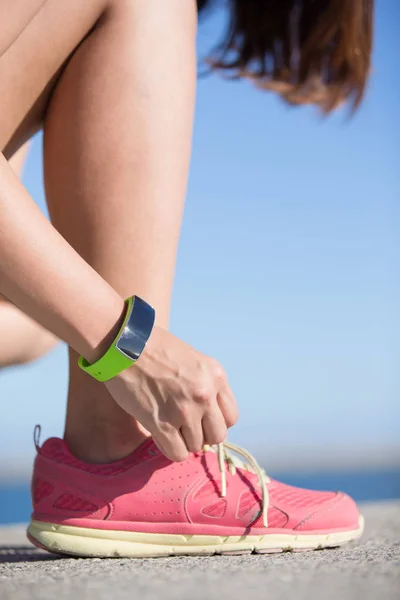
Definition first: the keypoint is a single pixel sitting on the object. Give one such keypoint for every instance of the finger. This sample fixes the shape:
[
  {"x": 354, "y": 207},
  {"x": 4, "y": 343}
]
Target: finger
[
  {"x": 171, "y": 444},
  {"x": 225, "y": 398},
  {"x": 193, "y": 437},
  {"x": 214, "y": 427},
  {"x": 227, "y": 404}
]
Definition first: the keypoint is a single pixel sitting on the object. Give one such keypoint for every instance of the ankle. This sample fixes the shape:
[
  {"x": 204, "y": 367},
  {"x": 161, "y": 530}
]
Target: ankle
[
  {"x": 96, "y": 445},
  {"x": 97, "y": 430}
]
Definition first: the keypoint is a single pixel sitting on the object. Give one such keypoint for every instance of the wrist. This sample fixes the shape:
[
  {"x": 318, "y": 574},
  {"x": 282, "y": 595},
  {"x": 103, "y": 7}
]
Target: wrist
[
  {"x": 128, "y": 340},
  {"x": 102, "y": 329}
]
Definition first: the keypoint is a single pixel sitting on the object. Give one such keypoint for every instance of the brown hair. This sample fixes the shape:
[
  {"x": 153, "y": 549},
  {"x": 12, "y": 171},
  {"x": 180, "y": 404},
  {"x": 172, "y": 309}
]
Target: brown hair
[{"x": 308, "y": 51}]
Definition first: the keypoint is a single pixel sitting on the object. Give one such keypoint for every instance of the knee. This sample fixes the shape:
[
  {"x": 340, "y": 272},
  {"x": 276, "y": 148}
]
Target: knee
[
  {"x": 44, "y": 342},
  {"x": 22, "y": 340},
  {"x": 154, "y": 14}
]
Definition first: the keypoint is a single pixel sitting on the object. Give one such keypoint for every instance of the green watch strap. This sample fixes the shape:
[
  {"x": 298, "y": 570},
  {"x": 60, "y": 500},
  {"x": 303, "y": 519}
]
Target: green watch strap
[{"x": 113, "y": 361}]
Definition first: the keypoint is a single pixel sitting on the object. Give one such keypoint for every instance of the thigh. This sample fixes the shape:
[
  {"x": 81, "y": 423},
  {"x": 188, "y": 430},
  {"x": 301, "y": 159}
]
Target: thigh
[{"x": 33, "y": 53}]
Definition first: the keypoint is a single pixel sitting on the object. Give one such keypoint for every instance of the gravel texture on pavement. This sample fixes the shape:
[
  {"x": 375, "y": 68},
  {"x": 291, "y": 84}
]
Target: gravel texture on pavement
[{"x": 366, "y": 570}]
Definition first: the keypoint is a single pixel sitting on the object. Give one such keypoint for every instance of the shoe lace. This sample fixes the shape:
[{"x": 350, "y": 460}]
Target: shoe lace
[{"x": 249, "y": 463}]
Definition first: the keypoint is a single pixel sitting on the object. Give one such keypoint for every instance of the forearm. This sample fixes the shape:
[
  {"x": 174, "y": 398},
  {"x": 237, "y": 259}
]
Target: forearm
[{"x": 42, "y": 274}]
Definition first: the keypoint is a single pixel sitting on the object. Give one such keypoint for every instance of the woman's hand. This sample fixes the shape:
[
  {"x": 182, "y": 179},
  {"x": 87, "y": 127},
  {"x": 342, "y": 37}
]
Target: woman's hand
[{"x": 181, "y": 396}]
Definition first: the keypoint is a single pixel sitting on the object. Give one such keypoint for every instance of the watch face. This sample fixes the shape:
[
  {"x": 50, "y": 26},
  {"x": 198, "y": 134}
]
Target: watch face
[{"x": 137, "y": 329}]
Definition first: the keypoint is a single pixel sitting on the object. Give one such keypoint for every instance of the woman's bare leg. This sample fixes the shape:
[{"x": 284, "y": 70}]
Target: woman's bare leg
[
  {"x": 148, "y": 175},
  {"x": 31, "y": 64},
  {"x": 182, "y": 396},
  {"x": 116, "y": 154},
  {"x": 17, "y": 162},
  {"x": 21, "y": 339}
]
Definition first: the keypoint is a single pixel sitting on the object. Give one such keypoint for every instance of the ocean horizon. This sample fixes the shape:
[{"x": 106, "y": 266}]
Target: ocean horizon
[{"x": 363, "y": 486}]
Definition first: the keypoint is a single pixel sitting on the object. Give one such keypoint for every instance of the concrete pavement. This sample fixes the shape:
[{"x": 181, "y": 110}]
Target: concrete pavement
[{"x": 367, "y": 570}]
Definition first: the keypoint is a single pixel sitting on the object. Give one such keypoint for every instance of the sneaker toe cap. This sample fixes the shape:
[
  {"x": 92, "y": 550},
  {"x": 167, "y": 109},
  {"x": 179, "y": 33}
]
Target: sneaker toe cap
[{"x": 340, "y": 512}]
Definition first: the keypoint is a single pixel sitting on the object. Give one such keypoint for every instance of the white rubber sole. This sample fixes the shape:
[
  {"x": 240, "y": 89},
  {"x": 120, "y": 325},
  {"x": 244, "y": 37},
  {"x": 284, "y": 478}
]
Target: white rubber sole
[{"x": 100, "y": 543}]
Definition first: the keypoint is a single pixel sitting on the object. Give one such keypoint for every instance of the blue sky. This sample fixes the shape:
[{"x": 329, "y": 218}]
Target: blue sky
[{"x": 288, "y": 273}]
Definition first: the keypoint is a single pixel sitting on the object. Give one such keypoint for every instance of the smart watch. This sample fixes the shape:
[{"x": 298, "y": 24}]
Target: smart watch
[{"x": 129, "y": 343}]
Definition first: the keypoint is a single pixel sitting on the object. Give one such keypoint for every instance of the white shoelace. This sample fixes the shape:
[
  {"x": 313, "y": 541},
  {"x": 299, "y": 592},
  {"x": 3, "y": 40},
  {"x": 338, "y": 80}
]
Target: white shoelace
[{"x": 234, "y": 463}]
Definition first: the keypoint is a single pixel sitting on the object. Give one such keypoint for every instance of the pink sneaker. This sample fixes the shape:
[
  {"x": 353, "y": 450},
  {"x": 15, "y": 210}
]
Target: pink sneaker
[{"x": 146, "y": 505}]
